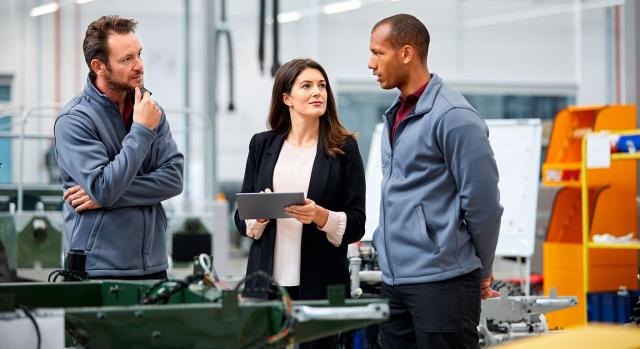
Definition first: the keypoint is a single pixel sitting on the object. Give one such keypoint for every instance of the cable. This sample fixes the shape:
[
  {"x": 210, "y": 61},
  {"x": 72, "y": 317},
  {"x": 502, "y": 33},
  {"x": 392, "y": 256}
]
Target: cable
[
  {"x": 288, "y": 322},
  {"x": 164, "y": 294},
  {"x": 68, "y": 275},
  {"x": 28, "y": 313},
  {"x": 211, "y": 277},
  {"x": 261, "y": 23},
  {"x": 208, "y": 266},
  {"x": 275, "y": 65},
  {"x": 79, "y": 337}
]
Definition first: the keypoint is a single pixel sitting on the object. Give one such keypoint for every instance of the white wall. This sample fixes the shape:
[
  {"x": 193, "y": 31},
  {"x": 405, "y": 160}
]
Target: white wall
[{"x": 533, "y": 51}]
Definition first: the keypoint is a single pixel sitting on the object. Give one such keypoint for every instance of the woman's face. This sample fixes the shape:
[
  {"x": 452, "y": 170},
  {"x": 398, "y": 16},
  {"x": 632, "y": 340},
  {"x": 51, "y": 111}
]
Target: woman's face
[{"x": 308, "y": 97}]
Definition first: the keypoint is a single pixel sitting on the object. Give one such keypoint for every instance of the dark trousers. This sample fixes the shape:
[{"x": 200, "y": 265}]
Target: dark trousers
[
  {"x": 330, "y": 342},
  {"x": 443, "y": 314},
  {"x": 161, "y": 275}
]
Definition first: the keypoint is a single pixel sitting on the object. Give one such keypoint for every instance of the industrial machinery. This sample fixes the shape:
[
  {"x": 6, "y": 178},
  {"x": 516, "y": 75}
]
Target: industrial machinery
[
  {"x": 502, "y": 319},
  {"x": 8, "y": 257},
  {"x": 506, "y": 318},
  {"x": 196, "y": 312}
]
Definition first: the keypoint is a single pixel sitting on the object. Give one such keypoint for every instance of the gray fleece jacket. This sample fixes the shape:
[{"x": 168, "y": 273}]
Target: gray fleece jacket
[
  {"x": 128, "y": 174},
  {"x": 440, "y": 206}
]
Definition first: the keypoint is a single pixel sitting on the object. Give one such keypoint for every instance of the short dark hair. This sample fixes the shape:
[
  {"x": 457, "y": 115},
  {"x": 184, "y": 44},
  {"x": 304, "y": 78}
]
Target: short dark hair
[
  {"x": 94, "y": 45},
  {"x": 332, "y": 133},
  {"x": 407, "y": 30}
]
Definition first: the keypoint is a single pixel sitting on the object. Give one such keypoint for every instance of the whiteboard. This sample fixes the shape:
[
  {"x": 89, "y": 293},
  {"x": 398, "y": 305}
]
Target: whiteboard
[
  {"x": 373, "y": 177},
  {"x": 516, "y": 146}
]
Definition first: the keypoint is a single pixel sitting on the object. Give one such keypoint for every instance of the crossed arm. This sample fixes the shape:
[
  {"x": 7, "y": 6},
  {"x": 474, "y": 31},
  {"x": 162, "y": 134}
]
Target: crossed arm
[{"x": 117, "y": 183}]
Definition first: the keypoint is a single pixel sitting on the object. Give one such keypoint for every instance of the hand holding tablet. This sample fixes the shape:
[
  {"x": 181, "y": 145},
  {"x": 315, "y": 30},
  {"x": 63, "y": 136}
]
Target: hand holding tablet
[{"x": 267, "y": 205}]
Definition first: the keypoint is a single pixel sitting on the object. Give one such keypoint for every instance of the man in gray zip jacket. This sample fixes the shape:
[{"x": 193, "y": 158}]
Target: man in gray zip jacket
[
  {"x": 118, "y": 160},
  {"x": 440, "y": 209}
]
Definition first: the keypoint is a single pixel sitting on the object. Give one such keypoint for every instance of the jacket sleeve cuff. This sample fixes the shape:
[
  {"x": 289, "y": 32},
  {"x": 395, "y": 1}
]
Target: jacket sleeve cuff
[
  {"x": 486, "y": 272},
  {"x": 143, "y": 129},
  {"x": 254, "y": 228},
  {"x": 335, "y": 227}
]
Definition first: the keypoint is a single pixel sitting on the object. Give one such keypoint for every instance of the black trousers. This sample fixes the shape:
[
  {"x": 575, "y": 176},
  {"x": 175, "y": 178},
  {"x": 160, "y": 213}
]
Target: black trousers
[
  {"x": 161, "y": 275},
  {"x": 443, "y": 314}
]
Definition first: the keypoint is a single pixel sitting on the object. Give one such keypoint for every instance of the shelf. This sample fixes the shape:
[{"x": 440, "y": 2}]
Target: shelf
[
  {"x": 597, "y": 199},
  {"x": 629, "y": 246},
  {"x": 615, "y": 178},
  {"x": 625, "y": 156}
]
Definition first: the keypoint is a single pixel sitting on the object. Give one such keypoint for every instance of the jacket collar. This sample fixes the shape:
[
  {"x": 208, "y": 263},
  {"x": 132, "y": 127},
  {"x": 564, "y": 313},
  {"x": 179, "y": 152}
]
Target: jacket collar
[
  {"x": 92, "y": 92},
  {"x": 425, "y": 103}
]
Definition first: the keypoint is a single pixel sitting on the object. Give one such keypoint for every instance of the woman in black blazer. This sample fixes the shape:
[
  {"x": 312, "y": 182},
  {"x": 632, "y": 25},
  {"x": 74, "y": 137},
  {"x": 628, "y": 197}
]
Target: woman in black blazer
[{"x": 303, "y": 116}]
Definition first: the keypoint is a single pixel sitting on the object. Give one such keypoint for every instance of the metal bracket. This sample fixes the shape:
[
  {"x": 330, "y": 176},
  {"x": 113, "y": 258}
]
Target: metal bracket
[
  {"x": 335, "y": 295},
  {"x": 230, "y": 308},
  {"x": 7, "y": 302},
  {"x": 372, "y": 311}
]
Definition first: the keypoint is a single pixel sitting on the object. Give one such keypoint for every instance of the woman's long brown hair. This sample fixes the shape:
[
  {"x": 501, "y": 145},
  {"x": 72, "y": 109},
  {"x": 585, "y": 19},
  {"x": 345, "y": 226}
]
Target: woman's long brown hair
[{"x": 332, "y": 133}]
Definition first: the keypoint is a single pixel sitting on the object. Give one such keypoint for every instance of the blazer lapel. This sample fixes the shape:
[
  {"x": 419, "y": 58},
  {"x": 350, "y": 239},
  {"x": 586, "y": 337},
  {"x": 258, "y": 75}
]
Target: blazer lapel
[
  {"x": 319, "y": 173},
  {"x": 269, "y": 163}
]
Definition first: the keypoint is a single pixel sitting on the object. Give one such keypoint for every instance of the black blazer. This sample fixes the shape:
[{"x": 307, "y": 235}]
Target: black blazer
[{"x": 336, "y": 184}]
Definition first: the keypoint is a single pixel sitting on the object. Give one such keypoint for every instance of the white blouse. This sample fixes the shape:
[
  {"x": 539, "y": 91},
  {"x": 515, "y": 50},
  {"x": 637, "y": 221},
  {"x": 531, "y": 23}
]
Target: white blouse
[{"x": 292, "y": 174}]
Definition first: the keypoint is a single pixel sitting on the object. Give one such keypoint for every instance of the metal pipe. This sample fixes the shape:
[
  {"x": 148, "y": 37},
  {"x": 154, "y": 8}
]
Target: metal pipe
[
  {"x": 23, "y": 124},
  {"x": 304, "y": 313},
  {"x": 210, "y": 78},
  {"x": 56, "y": 56},
  {"x": 577, "y": 35},
  {"x": 188, "y": 114},
  {"x": 187, "y": 93},
  {"x": 5, "y": 134},
  {"x": 223, "y": 30},
  {"x": 370, "y": 276},
  {"x": 354, "y": 272},
  {"x": 261, "y": 24},
  {"x": 78, "y": 18},
  {"x": 275, "y": 65},
  {"x": 617, "y": 55}
]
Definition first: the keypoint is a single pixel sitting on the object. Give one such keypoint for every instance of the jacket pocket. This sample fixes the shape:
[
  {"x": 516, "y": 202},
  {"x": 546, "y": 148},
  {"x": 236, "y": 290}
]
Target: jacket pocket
[
  {"x": 386, "y": 159},
  {"x": 163, "y": 215},
  {"x": 76, "y": 221},
  {"x": 426, "y": 230},
  {"x": 95, "y": 230}
]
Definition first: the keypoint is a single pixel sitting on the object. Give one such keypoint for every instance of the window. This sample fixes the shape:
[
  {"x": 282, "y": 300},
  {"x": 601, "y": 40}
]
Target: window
[
  {"x": 504, "y": 106},
  {"x": 5, "y": 87},
  {"x": 360, "y": 108}
]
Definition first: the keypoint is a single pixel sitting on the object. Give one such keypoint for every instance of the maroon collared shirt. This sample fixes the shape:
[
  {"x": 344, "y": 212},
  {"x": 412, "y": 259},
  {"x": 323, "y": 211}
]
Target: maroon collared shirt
[
  {"x": 127, "y": 112},
  {"x": 406, "y": 106}
]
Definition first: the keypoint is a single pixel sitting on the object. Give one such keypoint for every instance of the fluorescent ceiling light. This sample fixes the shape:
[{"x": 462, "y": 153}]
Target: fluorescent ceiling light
[
  {"x": 80, "y": 2},
  {"x": 289, "y": 17},
  {"x": 341, "y": 7},
  {"x": 543, "y": 11},
  {"x": 44, "y": 9}
]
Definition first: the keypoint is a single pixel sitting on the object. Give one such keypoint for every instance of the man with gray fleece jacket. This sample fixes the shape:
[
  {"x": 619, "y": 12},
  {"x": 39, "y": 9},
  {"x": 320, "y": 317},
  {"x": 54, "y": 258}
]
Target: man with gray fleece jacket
[
  {"x": 117, "y": 159},
  {"x": 440, "y": 206}
]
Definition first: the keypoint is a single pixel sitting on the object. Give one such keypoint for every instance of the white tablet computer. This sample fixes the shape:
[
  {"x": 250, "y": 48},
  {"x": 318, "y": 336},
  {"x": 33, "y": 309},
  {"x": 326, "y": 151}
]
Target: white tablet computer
[{"x": 266, "y": 205}]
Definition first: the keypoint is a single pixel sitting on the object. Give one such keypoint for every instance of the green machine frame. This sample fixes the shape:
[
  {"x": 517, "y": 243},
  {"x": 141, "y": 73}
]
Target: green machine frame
[{"x": 110, "y": 314}]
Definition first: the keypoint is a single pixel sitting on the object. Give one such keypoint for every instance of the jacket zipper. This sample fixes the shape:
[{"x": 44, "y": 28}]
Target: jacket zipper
[
  {"x": 144, "y": 229},
  {"x": 392, "y": 145},
  {"x": 144, "y": 238},
  {"x": 386, "y": 233}
]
